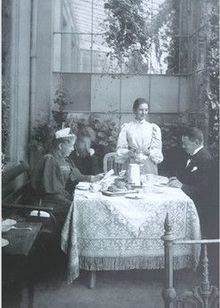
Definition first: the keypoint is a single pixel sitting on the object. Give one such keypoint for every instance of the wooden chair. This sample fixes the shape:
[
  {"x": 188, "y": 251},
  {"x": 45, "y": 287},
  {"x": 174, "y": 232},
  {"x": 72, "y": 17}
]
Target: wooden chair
[
  {"x": 110, "y": 163},
  {"x": 205, "y": 295}
]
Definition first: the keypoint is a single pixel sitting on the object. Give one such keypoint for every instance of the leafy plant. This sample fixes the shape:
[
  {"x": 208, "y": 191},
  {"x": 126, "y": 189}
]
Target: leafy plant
[
  {"x": 43, "y": 133},
  {"x": 42, "y": 136},
  {"x": 60, "y": 102},
  {"x": 212, "y": 92}
]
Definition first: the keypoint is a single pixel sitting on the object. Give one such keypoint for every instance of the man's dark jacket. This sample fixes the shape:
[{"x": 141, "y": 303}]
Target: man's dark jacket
[{"x": 197, "y": 177}]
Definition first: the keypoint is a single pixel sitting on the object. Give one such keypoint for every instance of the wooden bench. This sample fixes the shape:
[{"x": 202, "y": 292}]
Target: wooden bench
[{"x": 15, "y": 200}]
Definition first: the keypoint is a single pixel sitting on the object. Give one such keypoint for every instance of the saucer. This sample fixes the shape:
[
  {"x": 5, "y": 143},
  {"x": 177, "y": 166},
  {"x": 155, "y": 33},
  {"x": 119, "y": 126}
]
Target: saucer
[{"x": 4, "y": 242}]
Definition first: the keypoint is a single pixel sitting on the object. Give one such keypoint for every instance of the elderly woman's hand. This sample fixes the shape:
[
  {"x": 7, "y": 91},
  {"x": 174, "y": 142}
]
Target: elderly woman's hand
[{"x": 96, "y": 178}]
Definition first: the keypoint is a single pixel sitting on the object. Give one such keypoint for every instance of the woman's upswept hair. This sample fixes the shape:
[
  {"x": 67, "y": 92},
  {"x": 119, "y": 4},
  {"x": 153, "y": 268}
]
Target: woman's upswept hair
[{"x": 138, "y": 102}]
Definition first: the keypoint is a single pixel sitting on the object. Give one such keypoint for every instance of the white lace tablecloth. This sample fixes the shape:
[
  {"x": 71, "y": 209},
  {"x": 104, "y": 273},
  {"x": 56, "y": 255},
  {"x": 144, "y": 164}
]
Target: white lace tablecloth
[{"x": 116, "y": 233}]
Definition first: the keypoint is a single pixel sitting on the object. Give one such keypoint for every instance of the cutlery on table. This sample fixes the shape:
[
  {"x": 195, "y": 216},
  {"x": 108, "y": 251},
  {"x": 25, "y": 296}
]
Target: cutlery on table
[{"x": 21, "y": 228}]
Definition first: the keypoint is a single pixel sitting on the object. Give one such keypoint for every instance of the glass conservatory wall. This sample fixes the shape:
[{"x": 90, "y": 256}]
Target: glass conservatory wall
[
  {"x": 80, "y": 31},
  {"x": 95, "y": 82}
]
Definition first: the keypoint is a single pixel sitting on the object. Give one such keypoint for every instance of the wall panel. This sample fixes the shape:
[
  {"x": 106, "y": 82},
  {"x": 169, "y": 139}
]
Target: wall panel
[
  {"x": 105, "y": 93},
  {"x": 133, "y": 87},
  {"x": 164, "y": 94}
]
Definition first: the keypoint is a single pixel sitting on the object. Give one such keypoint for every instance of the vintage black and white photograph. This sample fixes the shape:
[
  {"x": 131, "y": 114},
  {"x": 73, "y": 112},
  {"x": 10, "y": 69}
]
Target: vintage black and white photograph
[{"x": 110, "y": 153}]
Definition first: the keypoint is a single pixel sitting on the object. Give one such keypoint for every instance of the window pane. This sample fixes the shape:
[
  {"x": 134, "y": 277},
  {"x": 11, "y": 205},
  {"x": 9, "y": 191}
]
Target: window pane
[
  {"x": 102, "y": 62},
  {"x": 98, "y": 16},
  {"x": 72, "y": 53},
  {"x": 77, "y": 16}
]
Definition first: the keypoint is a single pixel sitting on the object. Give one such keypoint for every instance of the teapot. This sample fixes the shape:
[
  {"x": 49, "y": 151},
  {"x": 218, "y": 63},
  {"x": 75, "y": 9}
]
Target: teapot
[{"x": 133, "y": 174}]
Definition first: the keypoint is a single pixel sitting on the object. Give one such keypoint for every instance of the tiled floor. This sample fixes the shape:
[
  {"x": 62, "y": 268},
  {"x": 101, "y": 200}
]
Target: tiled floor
[{"x": 126, "y": 289}]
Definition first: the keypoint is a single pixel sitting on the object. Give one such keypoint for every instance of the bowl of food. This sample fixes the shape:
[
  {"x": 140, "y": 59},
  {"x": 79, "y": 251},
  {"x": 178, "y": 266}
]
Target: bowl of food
[{"x": 4, "y": 242}]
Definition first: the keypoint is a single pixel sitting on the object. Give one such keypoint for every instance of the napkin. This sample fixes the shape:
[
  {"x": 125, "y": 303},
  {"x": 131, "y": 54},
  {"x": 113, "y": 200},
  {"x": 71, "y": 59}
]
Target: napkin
[
  {"x": 108, "y": 174},
  {"x": 42, "y": 213}
]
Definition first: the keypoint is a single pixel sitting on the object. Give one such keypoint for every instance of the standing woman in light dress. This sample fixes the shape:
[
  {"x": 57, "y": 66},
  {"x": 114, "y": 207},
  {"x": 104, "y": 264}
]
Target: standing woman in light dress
[{"x": 139, "y": 141}]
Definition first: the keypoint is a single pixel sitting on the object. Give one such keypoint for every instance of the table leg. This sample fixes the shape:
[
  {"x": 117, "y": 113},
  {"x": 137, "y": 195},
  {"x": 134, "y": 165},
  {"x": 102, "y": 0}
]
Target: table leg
[{"x": 92, "y": 279}]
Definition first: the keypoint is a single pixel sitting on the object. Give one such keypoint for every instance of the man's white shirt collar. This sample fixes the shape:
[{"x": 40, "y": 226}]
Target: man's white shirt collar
[{"x": 197, "y": 150}]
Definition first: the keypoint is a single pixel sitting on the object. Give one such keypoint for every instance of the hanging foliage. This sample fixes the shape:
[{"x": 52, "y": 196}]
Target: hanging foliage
[
  {"x": 165, "y": 28},
  {"x": 127, "y": 32},
  {"x": 212, "y": 94}
]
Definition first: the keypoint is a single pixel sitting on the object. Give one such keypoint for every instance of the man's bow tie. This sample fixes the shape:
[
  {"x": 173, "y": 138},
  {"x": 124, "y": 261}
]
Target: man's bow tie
[{"x": 189, "y": 160}]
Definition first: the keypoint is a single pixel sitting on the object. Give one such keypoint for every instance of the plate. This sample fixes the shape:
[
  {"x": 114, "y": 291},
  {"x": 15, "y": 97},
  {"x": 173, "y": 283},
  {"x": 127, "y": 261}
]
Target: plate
[
  {"x": 161, "y": 184},
  {"x": 117, "y": 193},
  {"x": 135, "y": 196},
  {"x": 83, "y": 186},
  {"x": 4, "y": 242}
]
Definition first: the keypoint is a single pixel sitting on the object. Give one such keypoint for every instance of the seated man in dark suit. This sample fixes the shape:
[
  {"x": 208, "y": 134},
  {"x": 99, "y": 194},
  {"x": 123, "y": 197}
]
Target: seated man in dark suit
[{"x": 194, "y": 176}]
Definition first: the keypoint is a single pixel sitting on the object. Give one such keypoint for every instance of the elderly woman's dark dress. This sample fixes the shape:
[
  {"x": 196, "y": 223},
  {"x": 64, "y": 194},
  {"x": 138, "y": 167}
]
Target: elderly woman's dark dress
[
  {"x": 49, "y": 184},
  {"x": 50, "y": 177}
]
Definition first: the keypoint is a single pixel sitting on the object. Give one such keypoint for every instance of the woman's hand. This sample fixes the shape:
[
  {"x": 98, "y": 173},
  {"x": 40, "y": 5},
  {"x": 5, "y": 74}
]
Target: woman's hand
[
  {"x": 140, "y": 157},
  {"x": 132, "y": 153},
  {"x": 146, "y": 152}
]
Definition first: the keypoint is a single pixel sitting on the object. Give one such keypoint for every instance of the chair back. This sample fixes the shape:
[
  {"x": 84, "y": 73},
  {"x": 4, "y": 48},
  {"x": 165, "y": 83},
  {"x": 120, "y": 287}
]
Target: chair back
[
  {"x": 15, "y": 181},
  {"x": 110, "y": 163}
]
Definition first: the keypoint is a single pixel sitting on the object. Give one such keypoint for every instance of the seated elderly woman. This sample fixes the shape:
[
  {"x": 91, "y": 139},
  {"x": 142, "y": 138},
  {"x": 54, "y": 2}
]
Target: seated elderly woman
[
  {"x": 52, "y": 174},
  {"x": 84, "y": 160}
]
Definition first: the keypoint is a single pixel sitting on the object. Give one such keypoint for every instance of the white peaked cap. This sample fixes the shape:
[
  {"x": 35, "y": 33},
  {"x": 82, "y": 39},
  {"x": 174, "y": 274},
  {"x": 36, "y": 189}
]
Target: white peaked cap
[{"x": 64, "y": 133}]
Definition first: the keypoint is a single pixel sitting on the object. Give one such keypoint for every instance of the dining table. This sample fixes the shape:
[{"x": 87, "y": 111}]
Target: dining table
[
  {"x": 18, "y": 243},
  {"x": 123, "y": 232}
]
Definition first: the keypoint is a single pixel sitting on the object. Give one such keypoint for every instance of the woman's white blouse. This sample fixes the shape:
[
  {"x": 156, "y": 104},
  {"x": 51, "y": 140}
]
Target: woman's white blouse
[{"x": 141, "y": 136}]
